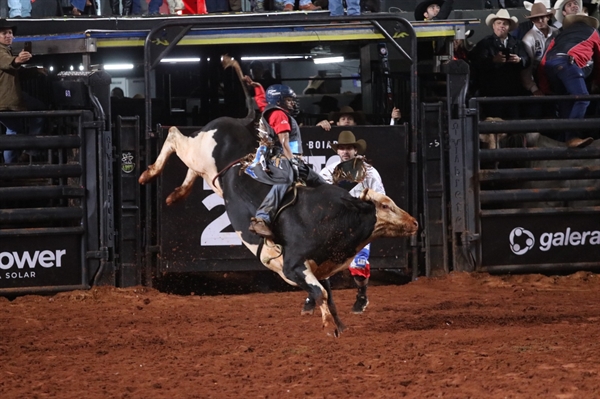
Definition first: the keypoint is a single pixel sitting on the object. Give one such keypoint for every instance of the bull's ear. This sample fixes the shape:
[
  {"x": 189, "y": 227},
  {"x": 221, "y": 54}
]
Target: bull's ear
[
  {"x": 173, "y": 129},
  {"x": 364, "y": 196}
]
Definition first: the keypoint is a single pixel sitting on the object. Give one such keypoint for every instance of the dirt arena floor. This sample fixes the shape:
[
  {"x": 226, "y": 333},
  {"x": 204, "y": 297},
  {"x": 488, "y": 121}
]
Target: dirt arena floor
[{"x": 460, "y": 336}]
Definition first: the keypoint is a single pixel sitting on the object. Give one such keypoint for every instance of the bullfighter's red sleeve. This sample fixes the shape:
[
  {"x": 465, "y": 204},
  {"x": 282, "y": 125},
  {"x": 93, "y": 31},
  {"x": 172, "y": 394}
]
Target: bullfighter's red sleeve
[{"x": 260, "y": 97}]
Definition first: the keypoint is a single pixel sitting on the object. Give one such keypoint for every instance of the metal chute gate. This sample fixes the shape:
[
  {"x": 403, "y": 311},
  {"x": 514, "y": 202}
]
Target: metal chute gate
[
  {"x": 55, "y": 216},
  {"x": 521, "y": 209},
  {"x": 174, "y": 245}
]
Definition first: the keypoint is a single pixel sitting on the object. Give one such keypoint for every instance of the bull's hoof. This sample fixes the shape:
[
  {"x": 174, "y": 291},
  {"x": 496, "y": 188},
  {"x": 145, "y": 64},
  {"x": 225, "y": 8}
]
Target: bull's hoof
[
  {"x": 146, "y": 177},
  {"x": 170, "y": 200},
  {"x": 579, "y": 143},
  {"x": 175, "y": 196}
]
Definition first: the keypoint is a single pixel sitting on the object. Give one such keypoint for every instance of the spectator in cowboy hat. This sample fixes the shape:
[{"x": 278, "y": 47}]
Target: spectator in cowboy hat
[
  {"x": 572, "y": 56},
  {"x": 566, "y": 7},
  {"x": 535, "y": 43},
  {"x": 498, "y": 60},
  {"x": 526, "y": 25},
  {"x": 430, "y": 10},
  {"x": 346, "y": 116}
]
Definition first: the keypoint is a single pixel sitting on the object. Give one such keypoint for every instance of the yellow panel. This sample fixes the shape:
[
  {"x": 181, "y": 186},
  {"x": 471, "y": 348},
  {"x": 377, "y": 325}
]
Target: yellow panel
[{"x": 303, "y": 37}]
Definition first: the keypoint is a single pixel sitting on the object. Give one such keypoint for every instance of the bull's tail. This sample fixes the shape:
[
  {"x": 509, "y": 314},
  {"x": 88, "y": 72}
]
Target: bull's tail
[{"x": 227, "y": 62}]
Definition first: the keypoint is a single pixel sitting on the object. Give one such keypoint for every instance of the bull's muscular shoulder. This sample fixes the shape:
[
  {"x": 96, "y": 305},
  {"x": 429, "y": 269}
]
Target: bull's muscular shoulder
[{"x": 326, "y": 223}]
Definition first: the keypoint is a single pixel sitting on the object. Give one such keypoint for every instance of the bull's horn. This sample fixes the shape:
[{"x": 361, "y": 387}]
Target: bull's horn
[{"x": 364, "y": 196}]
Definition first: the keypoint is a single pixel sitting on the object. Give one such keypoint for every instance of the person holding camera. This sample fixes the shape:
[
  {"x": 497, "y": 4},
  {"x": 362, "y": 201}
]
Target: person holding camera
[{"x": 497, "y": 61}]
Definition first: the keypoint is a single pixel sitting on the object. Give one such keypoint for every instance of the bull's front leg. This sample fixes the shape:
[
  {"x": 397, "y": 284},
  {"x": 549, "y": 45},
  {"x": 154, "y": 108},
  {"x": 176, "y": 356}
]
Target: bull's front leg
[
  {"x": 300, "y": 273},
  {"x": 332, "y": 308}
]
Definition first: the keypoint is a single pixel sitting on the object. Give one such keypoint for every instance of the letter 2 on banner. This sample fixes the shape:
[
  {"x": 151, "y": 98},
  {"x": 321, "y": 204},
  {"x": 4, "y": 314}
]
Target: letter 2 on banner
[{"x": 213, "y": 233}]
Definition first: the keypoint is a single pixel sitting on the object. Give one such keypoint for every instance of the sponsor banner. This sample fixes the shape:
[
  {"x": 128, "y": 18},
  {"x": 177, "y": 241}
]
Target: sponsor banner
[
  {"x": 40, "y": 261},
  {"x": 196, "y": 231},
  {"x": 540, "y": 239}
]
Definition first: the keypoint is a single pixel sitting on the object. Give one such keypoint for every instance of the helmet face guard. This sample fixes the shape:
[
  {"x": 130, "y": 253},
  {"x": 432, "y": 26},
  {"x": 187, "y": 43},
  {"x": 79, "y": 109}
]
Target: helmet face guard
[{"x": 276, "y": 94}]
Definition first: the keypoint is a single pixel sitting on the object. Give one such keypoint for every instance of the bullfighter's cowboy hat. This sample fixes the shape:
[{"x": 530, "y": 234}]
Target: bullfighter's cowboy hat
[
  {"x": 4, "y": 24},
  {"x": 560, "y": 4},
  {"x": 346, "y": 137},
  {"x": 502, "y": 14},
  {"x": 540, "y": 10},
  {"x": 358, "y": 116},
  {"x": 580, "y": 17},
  {"x": 528, "y": 5},
  {"x": 423, "y": 6}
]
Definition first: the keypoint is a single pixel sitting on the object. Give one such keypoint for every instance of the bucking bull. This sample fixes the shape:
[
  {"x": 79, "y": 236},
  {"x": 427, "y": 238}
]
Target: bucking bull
[{"x": 316, "y": 236}]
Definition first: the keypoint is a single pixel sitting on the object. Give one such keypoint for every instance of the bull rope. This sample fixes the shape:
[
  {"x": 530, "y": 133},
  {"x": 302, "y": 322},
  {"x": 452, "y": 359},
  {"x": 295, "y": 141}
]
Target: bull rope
[
  {"x": 264, "y": 243},
  {"x": 231, "y": 165},
  {"x": 292, "y": 202}
]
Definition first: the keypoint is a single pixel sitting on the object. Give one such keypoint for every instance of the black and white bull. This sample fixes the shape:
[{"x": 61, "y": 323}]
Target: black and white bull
[{"x": 317, "y": 236}]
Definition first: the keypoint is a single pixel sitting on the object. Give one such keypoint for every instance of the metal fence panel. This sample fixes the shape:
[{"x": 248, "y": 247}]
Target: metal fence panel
[{"x": 52, "y": 209}]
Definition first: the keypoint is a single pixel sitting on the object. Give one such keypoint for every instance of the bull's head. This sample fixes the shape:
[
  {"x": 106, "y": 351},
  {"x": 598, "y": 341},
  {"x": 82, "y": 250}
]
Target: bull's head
[{"x": 392, "y": 221}]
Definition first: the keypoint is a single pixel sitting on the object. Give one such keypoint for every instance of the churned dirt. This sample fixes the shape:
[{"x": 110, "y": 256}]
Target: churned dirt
[{"x": 460, "y": 336}]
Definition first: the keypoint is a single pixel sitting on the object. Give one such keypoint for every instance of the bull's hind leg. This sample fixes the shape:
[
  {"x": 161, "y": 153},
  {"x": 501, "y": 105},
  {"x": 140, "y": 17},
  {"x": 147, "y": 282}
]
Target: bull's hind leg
[
  {"x": 184, "y": 190},
  {"x": 168, "y": 148}
]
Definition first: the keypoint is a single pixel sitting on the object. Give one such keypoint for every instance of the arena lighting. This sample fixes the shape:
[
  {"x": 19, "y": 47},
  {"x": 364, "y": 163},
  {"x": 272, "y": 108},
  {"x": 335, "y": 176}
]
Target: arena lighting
[
  {"x": 117, "y": 67},
  {"x": 176, "y": 60},
  {"x": 275, "y": 57},
  {"x": 328, "y": 60}
]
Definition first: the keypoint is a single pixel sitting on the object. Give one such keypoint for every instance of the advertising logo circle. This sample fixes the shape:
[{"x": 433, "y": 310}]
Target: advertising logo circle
[{"x": 521, "y": 240}]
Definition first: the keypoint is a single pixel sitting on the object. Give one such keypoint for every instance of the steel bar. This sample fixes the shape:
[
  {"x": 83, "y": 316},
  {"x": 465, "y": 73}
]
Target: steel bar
[
  {"x": 543, "y": 195},
  {"x": 23, "y": 142},
  {"x": 34, "y": 215},
  {"x": 42, "y": 231},
  {"x": 535, "y": 154},
  {"x": 41, "y": 192},
  {"x": 566, "y": 173},
  {"x": 40, "y": 171},
  {"x": 536, "y": 125}
]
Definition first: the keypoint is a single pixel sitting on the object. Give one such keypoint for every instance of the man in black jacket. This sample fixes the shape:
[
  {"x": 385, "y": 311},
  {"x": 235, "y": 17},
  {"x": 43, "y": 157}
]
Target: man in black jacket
[{"x": 498, "y": 60}]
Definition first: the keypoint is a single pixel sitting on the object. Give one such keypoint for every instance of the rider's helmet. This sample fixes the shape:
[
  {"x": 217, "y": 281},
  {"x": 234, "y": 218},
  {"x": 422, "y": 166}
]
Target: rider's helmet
[{"x": 276, "y": 94}]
